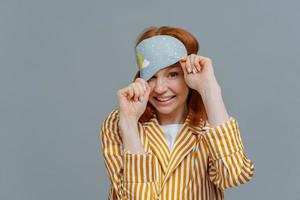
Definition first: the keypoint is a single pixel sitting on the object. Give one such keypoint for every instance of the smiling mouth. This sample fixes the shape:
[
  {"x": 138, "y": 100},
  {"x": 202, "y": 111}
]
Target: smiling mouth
[{"x": 164, "y": 99}]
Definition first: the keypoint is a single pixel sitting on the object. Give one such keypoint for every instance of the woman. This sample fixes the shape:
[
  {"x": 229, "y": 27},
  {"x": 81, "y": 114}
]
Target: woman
[{"x": 171, "y": 137}]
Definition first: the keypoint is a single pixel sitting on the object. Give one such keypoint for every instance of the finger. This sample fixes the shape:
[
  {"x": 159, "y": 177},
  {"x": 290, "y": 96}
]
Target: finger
[
  {"x": 188, "y": 65},
  {"x": 126, "y": 92},
  {"x": 183, "y": 58},
  {"x": 136, "y": 91},
  {"x": 197, "y": 64},
  {"x": 122, "y": 93},
  {"x": 183, "y": 66},
  {"x": 142, "y": 82},
  {"x": 142, "y": 88},
  {"x": 142, "y": 91},
  {"x": 130, "y": 92},
  {"x": 206, "y": 64},
  {"x": 194, "y": 70},
  {"x": 205, "y": 59}
]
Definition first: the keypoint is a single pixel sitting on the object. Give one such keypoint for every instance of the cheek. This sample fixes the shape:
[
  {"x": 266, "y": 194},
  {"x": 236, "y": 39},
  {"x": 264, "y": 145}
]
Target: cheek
[
  {"x": 151, "y": 83},
  {"x": 150, "y": 98},
  {"x": 181, "y": 87}
]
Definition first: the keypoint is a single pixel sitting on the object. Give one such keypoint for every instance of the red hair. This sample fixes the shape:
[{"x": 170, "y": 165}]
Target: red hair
[{"x": 194, "y": 100}]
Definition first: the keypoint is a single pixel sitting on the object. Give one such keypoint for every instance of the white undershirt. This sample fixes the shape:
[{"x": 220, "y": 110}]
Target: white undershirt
[{"x": 171, "y": 131}]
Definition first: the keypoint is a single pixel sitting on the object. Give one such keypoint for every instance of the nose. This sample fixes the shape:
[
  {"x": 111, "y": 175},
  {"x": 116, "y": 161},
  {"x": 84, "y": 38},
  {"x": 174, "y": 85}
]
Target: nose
[{"x": 160, "y": 85}]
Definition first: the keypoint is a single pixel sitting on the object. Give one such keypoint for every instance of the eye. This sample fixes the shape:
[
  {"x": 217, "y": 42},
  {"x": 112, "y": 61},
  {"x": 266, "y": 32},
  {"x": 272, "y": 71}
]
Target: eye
[
  {"x": 153, "y": 77},
  {"x": 173, "y": 74}
]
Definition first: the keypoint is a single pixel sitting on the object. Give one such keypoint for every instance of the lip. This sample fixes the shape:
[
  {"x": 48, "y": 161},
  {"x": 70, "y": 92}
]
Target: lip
[{"x": 165, "y": 103}]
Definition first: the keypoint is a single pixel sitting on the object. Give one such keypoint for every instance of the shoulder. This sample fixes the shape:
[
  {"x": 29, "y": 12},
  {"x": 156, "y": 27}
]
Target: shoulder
[
  {"x": 113, "y": 114},
  {"x": 110, "y": 128},
  {"x": 112, "y": 118}
]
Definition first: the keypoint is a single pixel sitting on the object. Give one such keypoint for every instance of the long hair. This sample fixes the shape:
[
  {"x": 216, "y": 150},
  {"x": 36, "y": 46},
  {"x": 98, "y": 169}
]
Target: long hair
[{"x": 194, "y": 100}]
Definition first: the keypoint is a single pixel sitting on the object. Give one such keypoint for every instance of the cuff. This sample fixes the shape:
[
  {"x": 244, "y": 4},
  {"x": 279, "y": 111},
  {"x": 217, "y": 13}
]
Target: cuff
[{"x": 224, "y": 139}]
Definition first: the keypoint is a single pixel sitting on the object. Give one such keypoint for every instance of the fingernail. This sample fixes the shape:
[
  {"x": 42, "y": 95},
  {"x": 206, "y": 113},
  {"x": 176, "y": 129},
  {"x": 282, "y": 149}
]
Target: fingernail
[{"x": 189, "y": 70}]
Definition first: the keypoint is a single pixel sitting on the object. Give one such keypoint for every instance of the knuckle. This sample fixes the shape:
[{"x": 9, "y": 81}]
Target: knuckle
[
  {"x": 139, "y": 79},
  {"x": 138, "y": 84},
  {"x": 133, "y": 85},
  {"x": 136, "y": 92},
  {"x": 118, "y": 94},
  {"x": 120, "y": 91}
]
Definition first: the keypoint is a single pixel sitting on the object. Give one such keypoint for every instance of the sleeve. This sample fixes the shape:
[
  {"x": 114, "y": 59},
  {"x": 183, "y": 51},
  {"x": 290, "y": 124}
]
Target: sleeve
[
  {"x": 228, "y": 164},
  {"x": 131, "y": 175}
]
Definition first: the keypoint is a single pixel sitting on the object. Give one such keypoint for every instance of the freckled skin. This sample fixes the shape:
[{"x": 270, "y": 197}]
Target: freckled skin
[{"x": 165, "y": 84}]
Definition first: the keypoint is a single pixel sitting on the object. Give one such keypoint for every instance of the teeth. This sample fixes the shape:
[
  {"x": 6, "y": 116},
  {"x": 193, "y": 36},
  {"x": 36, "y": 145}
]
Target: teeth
[{"x": 163, "y": 98}]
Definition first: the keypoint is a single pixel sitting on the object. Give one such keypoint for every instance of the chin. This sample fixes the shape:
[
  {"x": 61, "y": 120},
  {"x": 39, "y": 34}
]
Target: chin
[{"x": 165, "y": 110}]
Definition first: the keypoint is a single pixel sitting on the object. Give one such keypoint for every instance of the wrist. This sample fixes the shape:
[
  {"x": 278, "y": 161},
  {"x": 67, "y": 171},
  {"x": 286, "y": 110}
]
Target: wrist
[
  {"x": 130, "y": 135},
  {"x": 128, "y": 119},
  {"x": 209, "y": 88},
  {"x": 128, "y": 124}
]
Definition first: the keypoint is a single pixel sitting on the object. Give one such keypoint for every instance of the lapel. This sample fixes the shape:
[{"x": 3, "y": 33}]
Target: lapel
[
  {"x": 185, "y": 141},
  {"x": 157, "y": 142}
]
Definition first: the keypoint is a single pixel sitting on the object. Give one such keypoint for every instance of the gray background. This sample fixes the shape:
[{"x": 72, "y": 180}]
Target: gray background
[{"x": 62, "y": 62}]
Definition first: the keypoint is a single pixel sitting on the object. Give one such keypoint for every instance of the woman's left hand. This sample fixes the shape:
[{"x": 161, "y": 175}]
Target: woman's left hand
[{"x": 198, "y": 72}]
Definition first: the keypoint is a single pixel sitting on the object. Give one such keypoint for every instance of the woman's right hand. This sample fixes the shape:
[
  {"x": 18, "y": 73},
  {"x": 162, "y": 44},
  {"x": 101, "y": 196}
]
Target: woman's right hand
[{"x": 133, "y": 99}]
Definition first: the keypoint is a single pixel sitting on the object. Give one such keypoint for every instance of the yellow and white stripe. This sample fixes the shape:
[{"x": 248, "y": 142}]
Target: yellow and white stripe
[{"x": 205, "y": 160}]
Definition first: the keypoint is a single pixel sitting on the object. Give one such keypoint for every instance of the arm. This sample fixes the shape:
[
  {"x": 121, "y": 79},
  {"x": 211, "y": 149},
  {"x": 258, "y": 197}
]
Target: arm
[
  {"x": 130, "y": 135},
  {"x": 228, "y": 164},
  {"x": 128, "y": 173},
  {"x": 213, "y": 102}
]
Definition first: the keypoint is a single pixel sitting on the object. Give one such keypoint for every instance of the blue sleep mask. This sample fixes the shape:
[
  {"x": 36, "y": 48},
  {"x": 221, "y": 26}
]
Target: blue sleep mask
[{"x": 158, "y": 52}]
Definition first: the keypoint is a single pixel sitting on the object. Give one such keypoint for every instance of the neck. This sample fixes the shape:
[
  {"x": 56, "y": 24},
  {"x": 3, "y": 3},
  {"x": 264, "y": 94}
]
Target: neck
[{"x": 176, "y": 117}]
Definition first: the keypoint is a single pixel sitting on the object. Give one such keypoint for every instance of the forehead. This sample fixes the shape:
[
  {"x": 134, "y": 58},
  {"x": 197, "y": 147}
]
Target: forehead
[{"x": 175, "y": 66}]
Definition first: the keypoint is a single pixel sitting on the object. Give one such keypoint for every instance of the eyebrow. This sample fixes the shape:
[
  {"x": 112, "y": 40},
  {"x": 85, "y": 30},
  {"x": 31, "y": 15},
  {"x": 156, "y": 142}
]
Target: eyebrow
[
  {"x": 175, "y": 68},
  {"x": 170, "y": 68}
]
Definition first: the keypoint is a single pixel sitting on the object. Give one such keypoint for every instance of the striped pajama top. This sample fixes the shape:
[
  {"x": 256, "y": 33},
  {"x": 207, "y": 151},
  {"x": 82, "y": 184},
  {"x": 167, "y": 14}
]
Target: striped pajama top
[{"x": 204, "y": 161}]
